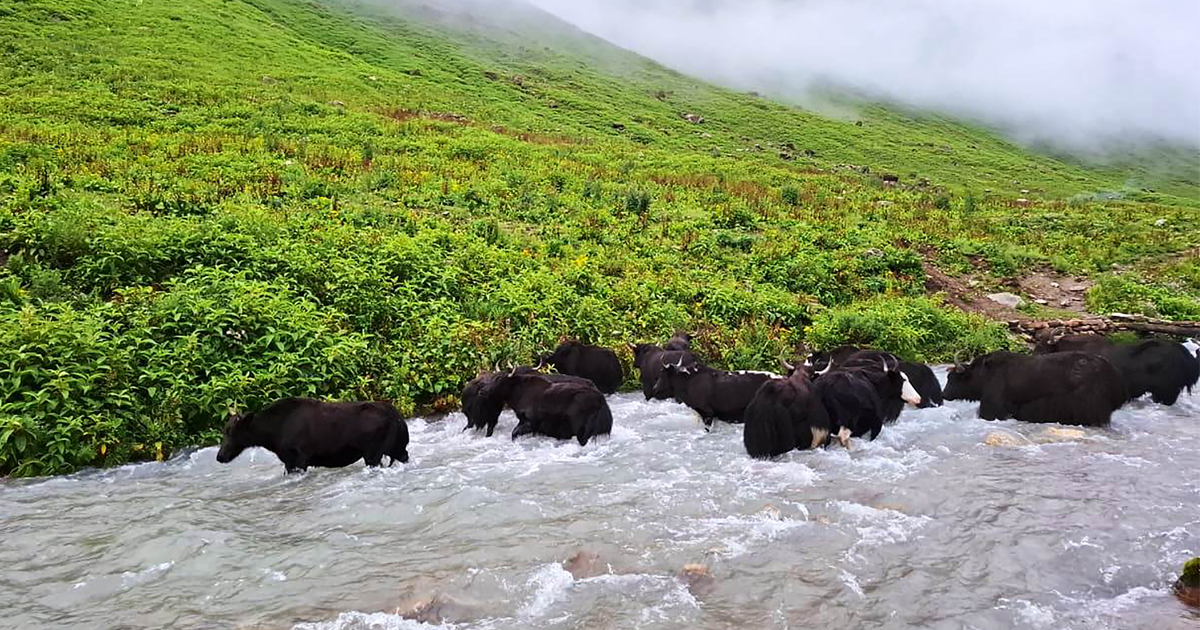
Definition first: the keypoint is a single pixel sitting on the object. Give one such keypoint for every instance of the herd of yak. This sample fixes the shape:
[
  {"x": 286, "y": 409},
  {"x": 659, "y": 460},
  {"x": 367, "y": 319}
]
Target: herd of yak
[{"x": 833, "y": 396}]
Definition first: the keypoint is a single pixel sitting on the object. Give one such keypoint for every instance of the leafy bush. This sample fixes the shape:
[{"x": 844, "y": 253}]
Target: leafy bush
[
  {"x": 1117, "y": 293},
  {"x": 916, "y": 328}
]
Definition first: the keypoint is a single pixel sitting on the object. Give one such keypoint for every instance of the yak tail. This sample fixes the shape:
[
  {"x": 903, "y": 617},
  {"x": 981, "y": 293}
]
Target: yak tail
[{"x": 600, "y": 423}]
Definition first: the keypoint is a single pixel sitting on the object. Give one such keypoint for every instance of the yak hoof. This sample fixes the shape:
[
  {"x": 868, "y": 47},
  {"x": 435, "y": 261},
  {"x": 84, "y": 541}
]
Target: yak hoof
[{"x": 843, "y": 437}]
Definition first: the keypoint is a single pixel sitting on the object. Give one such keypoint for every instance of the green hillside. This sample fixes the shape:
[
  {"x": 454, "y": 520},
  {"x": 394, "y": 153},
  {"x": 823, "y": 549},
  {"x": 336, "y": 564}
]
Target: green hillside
[{"x": 208, "y": 204}]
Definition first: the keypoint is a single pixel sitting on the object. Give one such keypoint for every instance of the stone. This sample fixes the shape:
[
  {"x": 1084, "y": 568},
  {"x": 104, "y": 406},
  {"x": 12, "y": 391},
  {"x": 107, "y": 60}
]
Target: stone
[
  {"x": 1160, "y": 223},
  {"x": 1060, "y": 434},
  {"x": 698, "y": 578},
  {"x": 1002, "y": 438},
  {"x": 585, "y": 564},
  {"x": 1009, "y": 300},
  {"x": 771, "y": 512}
]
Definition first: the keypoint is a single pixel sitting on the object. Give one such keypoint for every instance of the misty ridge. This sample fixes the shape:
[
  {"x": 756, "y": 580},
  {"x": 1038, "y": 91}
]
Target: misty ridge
[{"x": 1080, "y": 75}]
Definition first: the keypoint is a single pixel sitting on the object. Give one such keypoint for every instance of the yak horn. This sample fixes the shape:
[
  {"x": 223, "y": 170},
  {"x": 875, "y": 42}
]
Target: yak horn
[
  {"x": 958, "y": 364},
  {"x": 787, "y": 366}
]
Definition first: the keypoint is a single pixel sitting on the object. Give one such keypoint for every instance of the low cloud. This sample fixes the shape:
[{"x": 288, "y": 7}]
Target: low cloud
[{"x": 1079, "y": 74}]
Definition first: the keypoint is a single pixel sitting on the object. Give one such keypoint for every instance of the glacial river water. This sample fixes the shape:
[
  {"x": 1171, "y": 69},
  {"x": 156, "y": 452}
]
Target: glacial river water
[{"x": 930, "y": 526}]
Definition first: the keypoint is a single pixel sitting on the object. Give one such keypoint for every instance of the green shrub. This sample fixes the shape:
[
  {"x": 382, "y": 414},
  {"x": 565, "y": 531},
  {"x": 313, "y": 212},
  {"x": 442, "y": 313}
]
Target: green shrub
[
  {"x": 1117, "y": 293},
  {"x": 915, "y": 328}
]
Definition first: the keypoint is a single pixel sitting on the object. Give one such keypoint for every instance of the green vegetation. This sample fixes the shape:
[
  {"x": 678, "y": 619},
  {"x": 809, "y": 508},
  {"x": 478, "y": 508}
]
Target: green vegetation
[{"x": 208, "y": 204}]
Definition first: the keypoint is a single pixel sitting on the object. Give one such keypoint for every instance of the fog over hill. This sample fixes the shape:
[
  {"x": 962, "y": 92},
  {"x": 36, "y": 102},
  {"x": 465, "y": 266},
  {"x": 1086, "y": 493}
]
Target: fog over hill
[{"x": 1078, "y": 74}]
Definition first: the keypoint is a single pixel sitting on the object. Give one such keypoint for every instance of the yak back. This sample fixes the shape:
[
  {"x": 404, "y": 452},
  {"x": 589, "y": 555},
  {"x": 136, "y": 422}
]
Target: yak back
[
  {"x": 599, "y": 365},
  {"x": 307, "y": 432},
  {"x": 715, "y": 393},
  {"x": 785, "y": 414},
  {"x": 560, "y": 407},
  {"x": 1067, "y": 387}
]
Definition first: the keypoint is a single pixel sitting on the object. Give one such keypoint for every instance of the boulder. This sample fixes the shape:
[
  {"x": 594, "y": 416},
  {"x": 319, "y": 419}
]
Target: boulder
[{"x": 1009, "y": 300}]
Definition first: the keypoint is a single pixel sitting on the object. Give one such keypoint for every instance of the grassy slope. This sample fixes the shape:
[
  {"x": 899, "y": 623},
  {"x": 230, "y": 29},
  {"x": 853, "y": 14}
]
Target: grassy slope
[{"x": 216, "y": 202}]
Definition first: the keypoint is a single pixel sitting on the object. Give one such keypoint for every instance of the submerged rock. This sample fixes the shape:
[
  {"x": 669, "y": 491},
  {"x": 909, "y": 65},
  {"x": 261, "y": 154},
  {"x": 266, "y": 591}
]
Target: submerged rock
[
  {"x": 697, "y": 577},
  {"x": 439, "y": 608},
  {"x": 586, "y": 564},
  {"x": 1002, "y": 438},
  {"x": 1061, "y": 434},
  {"x": 1187, "y": 587},
  {"x": 428, "y": 602}
]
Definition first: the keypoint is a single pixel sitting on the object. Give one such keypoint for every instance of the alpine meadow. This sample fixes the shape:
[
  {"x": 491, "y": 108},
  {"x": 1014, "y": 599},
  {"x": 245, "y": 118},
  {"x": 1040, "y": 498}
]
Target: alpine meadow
[{"x": 207, "y": 205}]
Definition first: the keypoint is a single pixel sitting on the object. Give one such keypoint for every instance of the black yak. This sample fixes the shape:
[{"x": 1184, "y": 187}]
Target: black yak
[
  {"x": 864, "y": 395},
  {"x": 713, "y": 393},
  {"x": 920, "y": 376},
  {"x": 303, "y": 432},
  {"x": 1157, "y": 367},
  {"x": 556, "y": 405},
  {"x": 599, "y": 365},
  {"x": 1068, "y": 387},
  {"x": 649, "y": 359},
  {"x": 786, "y": 414}
]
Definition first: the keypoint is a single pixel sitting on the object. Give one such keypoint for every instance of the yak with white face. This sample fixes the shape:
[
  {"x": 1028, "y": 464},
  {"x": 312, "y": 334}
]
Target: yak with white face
[
  {"x": 863, "y": 395},
  {"x": 919, "y": 375}
]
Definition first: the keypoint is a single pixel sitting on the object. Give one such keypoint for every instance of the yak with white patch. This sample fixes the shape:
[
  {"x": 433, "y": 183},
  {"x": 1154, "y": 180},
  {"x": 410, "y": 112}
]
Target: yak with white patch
[
  {"x": 1075, "y": 388},
  {"x": 304, "y": 432},
  {"x": 862, "y": 396},
  {"x": 599, "y": 365},
  {"x": 786, "y": 414},
  {"x": 712, "y": 393},
  {"x": 556, "y": 405},
  {"x": 1163, "y": 369},
  {"x": 919, "y": 375}
]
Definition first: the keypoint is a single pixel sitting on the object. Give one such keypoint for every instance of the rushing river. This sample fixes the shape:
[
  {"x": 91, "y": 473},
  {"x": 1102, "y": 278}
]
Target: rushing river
[{"x": 934, "y": 525}]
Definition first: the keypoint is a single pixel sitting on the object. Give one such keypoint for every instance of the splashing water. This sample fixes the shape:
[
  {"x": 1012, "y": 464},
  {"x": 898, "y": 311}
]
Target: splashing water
[{"x": 928, "y": 526}]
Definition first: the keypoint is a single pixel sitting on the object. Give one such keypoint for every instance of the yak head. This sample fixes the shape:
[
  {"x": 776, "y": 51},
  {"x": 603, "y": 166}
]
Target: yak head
[
  {"x": 681, "y": 341},
  {"x": 484, "y": 398},
  {"x": 561, "y": 353},
  {"x": 237, "y": 438},
  {"x": 643, "y": 351},
  {"x": 966, "y": 381},
  {"x": 908, "y": 393}
]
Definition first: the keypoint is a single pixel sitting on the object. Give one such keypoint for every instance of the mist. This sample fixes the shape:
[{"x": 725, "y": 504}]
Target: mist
[{"x": 1082, "y": 75}]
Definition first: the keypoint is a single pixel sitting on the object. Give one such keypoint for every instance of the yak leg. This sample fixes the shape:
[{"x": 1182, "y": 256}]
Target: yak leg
[
  {"x": 523, "y": 428},
  {"x": 990, "y": 408}
]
